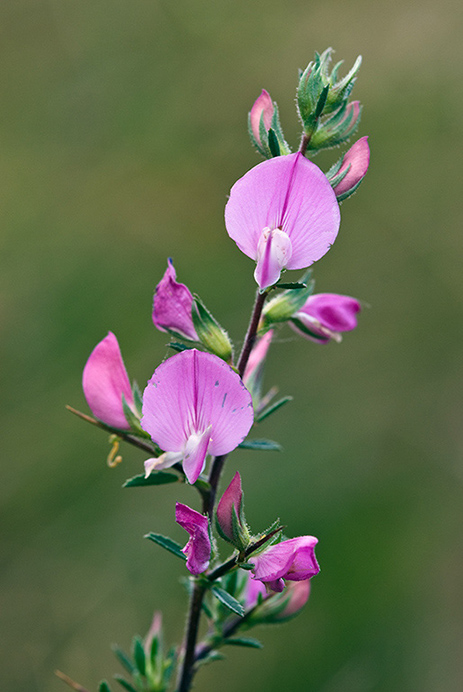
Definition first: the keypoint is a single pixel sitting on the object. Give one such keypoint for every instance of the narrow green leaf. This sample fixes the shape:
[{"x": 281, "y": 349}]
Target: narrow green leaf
[
  {"x": 104, "y": 687},
  {"x": 123, "y": 683},
  {"x": 228, "y": 600},
  {"x": 177, "y": 346},
  {"x": 245, "y": 641},
  {"x": 291, "y": 286},
  {"x": 263, "y": 445},
  {"x": 155, "y": 478},
  {"x": 167, "y": 543},
  {"x": 123, "y": 659},
  {"x": 139, "y": 655},
  {"x": 210, "y": 658},
  {"x": 274, "y": 407}
]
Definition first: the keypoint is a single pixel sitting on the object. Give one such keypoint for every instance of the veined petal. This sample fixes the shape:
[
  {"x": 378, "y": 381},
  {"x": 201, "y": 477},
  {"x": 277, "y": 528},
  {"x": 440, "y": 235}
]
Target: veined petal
[
  {"x": 105, "y": 381},
  {"x": 328, "y": 314},
  {"x": 274, "y": 252},
  {"x": 194, "y": 458},
  {"x": 190, "y": 392},
  {"x": 289, "y": 193},
  {"x": 293, "y": 559},
  {"x": 198, "y": 549}
]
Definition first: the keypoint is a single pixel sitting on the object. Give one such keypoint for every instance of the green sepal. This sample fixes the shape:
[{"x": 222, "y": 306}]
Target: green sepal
[
  {"x": 210, "y": 333},
  {"x": 248, "y": 642},
  {"x": 246, "y": 565},
  {"x": 132, "y": 419},
  {"x": 285, "y": 304},
  {"x": 262, "y": 445},
  {"x": 350, "y": 192},
  {"x": 177, "y": 346},
  {"x": 273, "y": 143},
  {"x": 137, "y": 399},
  {"x": 155, "y": 478},
  {"x": 336, "y": 179},
  {"x": 123, "y": 683},
  {"x": 104, "y": 687},
  {"x": 271, "y": 409},
  {"x": 254, "y": 140},
  {"x": 138, "y": 653},
  {"x": 228, "y": 600},
  {"x": 167, "y": 543},
  {"x": 123, "y": 659},
  {"x": 297, "y": 323}
]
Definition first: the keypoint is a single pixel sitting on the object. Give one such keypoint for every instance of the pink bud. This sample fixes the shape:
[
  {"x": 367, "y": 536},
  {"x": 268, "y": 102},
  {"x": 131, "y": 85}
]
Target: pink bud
[
  {"x": 293, "y": 560},
  {"x": 105, "y": 381},
  {"x": 262, "y": 105},
  {"x": 325, "y": 315},
  {"x": 172, "y": 305},
  {"x": 297, "y": 593},
  {"x": 356, "y": 159},
  {"x": 198, "y": 549},
  {"x": 230, "y": 506}
]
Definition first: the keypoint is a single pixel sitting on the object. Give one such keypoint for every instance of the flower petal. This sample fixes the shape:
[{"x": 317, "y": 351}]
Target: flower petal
[
  {"x": 172, "y": 305},
  {"x": 190, "y": 392},
  {"x": 198, "y": 549},
  {"x": 194, "y": 458},
  {"x": 273, "y": 254},
  {"x": 105, "y": 380},
  {"x": 289, "y": 193}
]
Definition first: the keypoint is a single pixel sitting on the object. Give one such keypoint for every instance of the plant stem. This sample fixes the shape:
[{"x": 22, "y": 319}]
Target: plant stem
[{"x": 191, "y": 635}]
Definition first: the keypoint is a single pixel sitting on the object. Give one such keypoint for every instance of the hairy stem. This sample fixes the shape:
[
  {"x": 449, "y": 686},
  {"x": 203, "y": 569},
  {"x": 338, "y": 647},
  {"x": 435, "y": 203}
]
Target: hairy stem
[{"x": 191, "y": 635}]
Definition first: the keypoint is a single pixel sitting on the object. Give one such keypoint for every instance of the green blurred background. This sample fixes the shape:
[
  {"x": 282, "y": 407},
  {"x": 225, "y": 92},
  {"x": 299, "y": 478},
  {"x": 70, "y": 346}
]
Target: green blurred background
[{"x": 123, "y": 127}]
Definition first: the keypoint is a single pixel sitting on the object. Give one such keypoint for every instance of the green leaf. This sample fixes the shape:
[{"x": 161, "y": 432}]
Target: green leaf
[
  {"x": 263, "y": 445},
  {"x": 245, "y": 641},
  {"x": 177, "y": 346},
  {"x": 167, "y": 543},
  {"x": 210, "y": 658},
  {"x": 291, "y": 286},
  {"x": 104, "y": 687},
  {"x": 131, "y": 417},
  {"x": 139, "y": 655},
  {"x": 274, "y": 407},
  {"x": 123, "y": 683},
  {"x": 155, "y": 478},
  {"x": 123, "y": 659},
  {"x": 228, "y": 600}
]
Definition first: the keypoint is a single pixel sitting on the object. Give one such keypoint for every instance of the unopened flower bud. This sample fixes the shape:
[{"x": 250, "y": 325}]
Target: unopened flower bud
[
  {"x": 325, "y": 315},
  {"x": 337, "y": 129},
  {"x": 105, "y": 383},
  {"x": 264, "y": 127},
  {"x": 231, "y": 523},
  {"x": 210, "y": 333},
  {"x": 348, "y": 173},
  {"x": 172, "y": 306},
  {"x": 270, "y": 607}
]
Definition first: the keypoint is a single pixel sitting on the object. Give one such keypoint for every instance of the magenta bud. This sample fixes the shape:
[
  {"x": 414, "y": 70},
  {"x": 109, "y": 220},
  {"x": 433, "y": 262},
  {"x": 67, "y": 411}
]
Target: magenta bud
[
  {"x": 263, "y": 107},
  {"x": 325, "y": 315},
  {"x": 105, "y": 382},
  {"x": 230, "y": 515},
  {"x": 292, "y": 560},
  {"x": 172, "y": 304},
  {"x": 198, "y": 549},
  {"x": 353, "y": 169}
]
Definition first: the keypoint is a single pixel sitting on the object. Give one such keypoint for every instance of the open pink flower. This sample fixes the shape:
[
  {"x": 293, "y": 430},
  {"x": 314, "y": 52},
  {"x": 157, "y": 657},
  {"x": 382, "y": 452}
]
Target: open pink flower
[
  {"x": 283, "y": 214},
  {"x": 293, "y": 560},
  {"x": 198, "y": 549},
  {"x": 105, "y": 381},
  {"x": 325, "y": 315},
  {"x": 172, "y": 305},
  {"x": 195, "y": 404}
]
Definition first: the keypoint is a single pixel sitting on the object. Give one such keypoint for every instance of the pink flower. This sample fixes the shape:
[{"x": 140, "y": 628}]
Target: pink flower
[
  {"x": 257, "y": 358},
  {"x": 172, "y": 306},
  {"x": 325, "y": 315},
  {"x": 283, "y": 214},
  {"x": 230, "y": 514},
  {"x": 105, "y": 381},
  {"x": 193, "y": 405},
  {"x": 355, "y": 162},
  {"x": 293, "y": 560},
  {"x": 263, "y": 106},
  {"x": 198, "y": 548}
]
